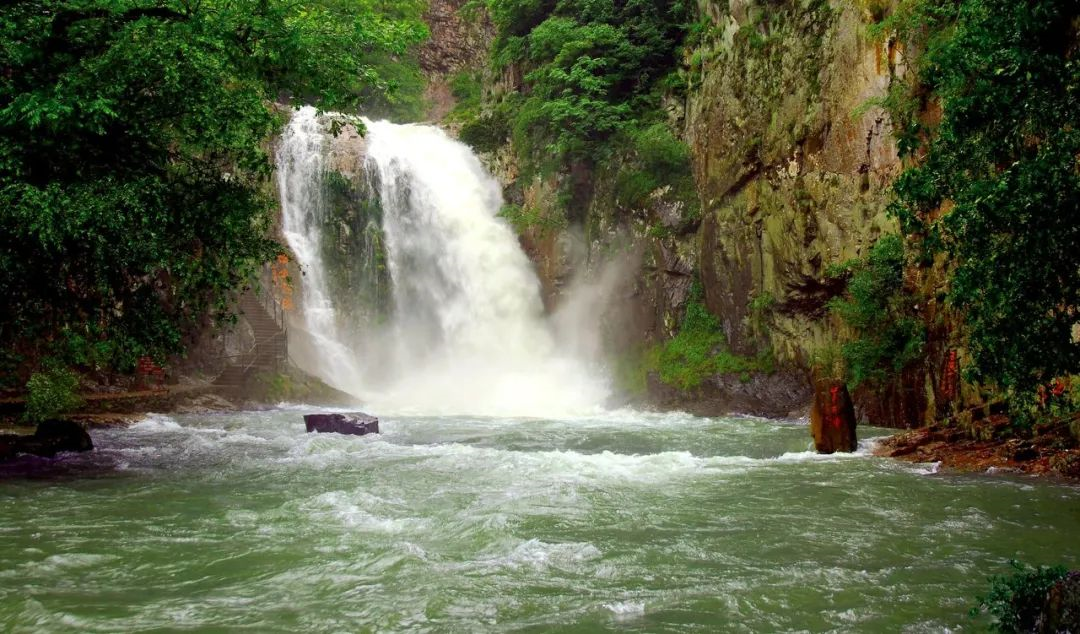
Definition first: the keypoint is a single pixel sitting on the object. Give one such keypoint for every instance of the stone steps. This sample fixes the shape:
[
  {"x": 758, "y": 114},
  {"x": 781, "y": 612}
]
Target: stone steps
[{"x": 270, "y": 345}]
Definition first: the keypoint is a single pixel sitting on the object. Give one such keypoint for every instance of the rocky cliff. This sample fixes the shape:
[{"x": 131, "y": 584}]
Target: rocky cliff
[{"x": 793, "y": 162}]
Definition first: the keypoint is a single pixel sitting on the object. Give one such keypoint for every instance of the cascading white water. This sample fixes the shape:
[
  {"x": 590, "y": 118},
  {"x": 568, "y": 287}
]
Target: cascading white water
[
  {"x": 468, "y": 334},
  {"x": 300, "y": 157},
  {"x": 469, "y": 331}
]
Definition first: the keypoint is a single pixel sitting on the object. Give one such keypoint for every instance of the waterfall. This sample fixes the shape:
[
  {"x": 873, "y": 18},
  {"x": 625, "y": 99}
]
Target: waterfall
[
  {"x": 300, "y": 169},
  {"x": 467, "y": 333}
]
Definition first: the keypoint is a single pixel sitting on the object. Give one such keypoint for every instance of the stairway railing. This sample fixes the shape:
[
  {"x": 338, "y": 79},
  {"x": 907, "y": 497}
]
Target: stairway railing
[{"x": 271, "y": 308}]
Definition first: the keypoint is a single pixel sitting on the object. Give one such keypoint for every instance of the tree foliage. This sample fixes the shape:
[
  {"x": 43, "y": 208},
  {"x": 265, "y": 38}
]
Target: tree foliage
[
  {"x": 997, "y": 188},
  {"x": 876, "y": 307},
  {"x": 50, "y": 393},
  {"x": 133, "y": 154},
  {"x": 590, "y": 66}
]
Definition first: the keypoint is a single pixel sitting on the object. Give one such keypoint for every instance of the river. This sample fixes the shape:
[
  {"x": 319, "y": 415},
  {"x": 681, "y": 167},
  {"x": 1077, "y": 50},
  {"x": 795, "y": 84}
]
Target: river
[{"x": 621, "y": 521}]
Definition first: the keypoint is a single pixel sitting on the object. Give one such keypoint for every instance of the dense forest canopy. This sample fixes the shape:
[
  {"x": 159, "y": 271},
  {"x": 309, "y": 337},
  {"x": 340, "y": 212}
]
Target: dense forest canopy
[{"x": 133, "y": 156}]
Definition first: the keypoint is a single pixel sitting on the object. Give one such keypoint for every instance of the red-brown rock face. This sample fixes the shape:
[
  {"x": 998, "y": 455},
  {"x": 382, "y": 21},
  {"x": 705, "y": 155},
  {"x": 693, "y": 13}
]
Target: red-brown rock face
[{"x": 832, "y": 418}]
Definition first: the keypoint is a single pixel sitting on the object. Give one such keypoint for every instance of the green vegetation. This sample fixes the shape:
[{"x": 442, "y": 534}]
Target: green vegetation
[
  {"x": 1016, "y": 600},
  {"x": 483, "y": 127},
  {"x": 594, "y": 72},
  {"x": 486, "y": 132},
  {"x": 878, "y": 310},
  {"x": 352, "y": 247},
  {"x": 51, "y": 392},
  {"x": 523, "y": 218},
  {"x": 657, "y": 159},
  {"x": 996, "y": 187},
  {"x": 133, "y": 163},
  {"x": 699, "y": 351},
  {"x": 397, "y": 91}
]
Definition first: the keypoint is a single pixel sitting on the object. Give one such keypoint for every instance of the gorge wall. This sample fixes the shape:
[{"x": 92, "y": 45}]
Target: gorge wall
[{"x": 793, "y": 164}]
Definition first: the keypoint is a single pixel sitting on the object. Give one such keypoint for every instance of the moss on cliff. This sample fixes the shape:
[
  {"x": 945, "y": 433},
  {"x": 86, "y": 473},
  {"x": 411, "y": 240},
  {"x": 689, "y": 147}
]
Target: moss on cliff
[{"x": 352, "y": 246}]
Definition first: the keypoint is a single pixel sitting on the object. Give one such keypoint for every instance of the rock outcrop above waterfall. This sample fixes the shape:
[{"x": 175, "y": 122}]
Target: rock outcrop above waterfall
[
  {"x": 346, "y": 152},
  {"x": 459, "y": 40}
]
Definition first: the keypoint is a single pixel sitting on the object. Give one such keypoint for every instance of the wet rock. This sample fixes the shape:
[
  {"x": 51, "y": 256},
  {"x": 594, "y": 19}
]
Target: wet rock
[
  {"x": 1021, "y": 451},
  {"x": 50, "y": 438},
  {"x": 1061, "y": 612},
  {"x": 355, "y": 423},
  {"x": 770, "y": 394},
  {"x": 832, "y": 418}
]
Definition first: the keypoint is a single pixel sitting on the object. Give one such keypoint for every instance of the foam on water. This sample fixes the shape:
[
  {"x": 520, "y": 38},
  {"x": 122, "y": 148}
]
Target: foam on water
[
  {"x": 664, "y": 522},
  {"x": 626, "y": 610},
  {"x": 467, "y": 333}
]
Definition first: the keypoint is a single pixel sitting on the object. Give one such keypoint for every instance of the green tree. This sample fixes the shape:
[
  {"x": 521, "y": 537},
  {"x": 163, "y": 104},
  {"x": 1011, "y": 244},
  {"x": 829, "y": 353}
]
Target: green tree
[
  {"x": 133, "y": 155},
  {"x": 590, "y": 66},
  {"x": 878, "y": 310},
  {"x": 997, "y": 188}
]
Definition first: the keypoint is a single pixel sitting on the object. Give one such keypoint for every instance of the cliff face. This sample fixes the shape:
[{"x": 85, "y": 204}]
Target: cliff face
[
  {"x": 792, "y": 177},
  {"x": 460, "y": 40},
  {"x": 793, "y": 165}
]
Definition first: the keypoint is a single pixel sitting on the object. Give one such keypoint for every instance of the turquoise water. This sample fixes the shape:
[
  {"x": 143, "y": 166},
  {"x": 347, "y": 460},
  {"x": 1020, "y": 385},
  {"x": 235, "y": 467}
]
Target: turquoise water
[{"x": 621, "y": 522}]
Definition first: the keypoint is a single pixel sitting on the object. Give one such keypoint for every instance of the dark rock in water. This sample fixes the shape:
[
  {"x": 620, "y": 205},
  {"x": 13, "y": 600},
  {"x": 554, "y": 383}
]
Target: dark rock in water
[
  {"x": 832, "y": 418},
  {"x": 50, "y": 438},
  {"x": 63, "y": 435},
  {"x": 1061, "y": 612},
  {"x": 355, "y": 423}
]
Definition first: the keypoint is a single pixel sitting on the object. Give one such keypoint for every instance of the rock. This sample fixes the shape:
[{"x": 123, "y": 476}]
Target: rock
[
  {"x": 832, "y": 418},
  {"x": 355, "y": 423},
  {"x": 1061, "y": 612},
  {"x": 776, "y": 394},
  {"x": 50, "y": 438},
  {"x": 1020, "y": 451}
]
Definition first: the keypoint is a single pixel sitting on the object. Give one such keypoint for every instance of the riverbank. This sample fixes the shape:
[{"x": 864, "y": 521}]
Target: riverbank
[
  {"x": 105, "y": 407},
  {"x": 1050, "y": 452}
]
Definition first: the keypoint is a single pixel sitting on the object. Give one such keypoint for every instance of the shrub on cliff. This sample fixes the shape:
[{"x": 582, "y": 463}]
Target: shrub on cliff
[
  {"x": 699, "y": 350},
  {"x": 876, "y": 308},
  {"x": 51, "y": 392}
]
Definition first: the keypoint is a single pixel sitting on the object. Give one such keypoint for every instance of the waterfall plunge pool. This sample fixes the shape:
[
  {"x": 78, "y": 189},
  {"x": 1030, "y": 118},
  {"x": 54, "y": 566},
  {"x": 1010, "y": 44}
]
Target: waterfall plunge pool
[{"x": 622, "y": 521}]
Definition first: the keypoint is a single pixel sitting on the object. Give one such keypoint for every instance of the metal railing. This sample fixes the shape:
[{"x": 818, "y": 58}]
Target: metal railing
[{"x": 249, "y": 356}]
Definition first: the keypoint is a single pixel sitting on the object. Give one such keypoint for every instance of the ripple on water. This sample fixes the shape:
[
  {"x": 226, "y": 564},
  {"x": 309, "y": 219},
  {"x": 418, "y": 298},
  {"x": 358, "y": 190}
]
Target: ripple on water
[
  {"x": 626, "y": 610},
  {"x": 669, "y": 522}
]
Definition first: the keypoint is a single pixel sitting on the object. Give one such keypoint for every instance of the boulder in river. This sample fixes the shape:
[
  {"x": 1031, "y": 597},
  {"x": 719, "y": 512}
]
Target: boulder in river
[
  {"x": 354, "y": 423},
  {"x": 832, "y": 418},
  {"x": 50, "y": 438}
]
